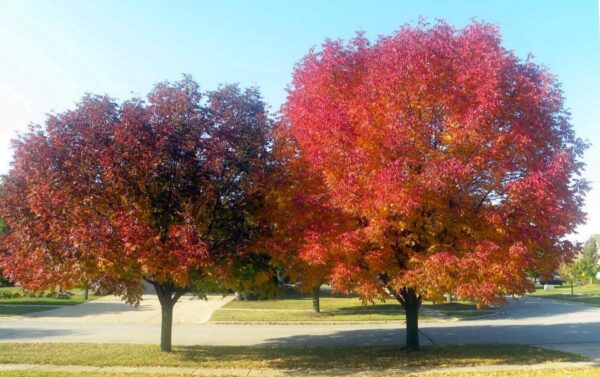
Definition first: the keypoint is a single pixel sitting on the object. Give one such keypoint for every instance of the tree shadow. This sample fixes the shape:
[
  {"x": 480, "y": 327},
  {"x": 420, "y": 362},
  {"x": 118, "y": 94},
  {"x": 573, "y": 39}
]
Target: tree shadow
[
  {"x": 298, "y": 359},
  {"x": 36, "y": 334},
  {"x": 534, "y": 307}
]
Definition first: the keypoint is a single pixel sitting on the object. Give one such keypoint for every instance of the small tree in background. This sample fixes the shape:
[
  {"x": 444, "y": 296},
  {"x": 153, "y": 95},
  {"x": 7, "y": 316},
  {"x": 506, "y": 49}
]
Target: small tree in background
[
  {"x": 3, "y": 232},
  {"x": 305, "y": 227},
  {"x": 568, "y": 273},
  {"x": 166, "y": 190},
  {"x": 586, "y": 266}
]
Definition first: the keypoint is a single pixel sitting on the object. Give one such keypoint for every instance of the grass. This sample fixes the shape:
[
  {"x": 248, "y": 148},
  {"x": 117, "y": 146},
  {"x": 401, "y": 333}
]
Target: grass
[
  {"x": 584, "y": 294},
  {"x": 296, "y": 307},
  {"x": 261, "y": 357},
  {"x": 24, "y": 304},
  {"x": 6, "y": 311},
  {"x": 571, "y": 372},
  {"x": 86, "y": 374}
]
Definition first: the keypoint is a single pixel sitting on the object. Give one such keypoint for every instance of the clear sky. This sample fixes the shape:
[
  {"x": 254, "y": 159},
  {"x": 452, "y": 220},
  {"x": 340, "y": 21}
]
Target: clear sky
[{"x": 52, "y": 52}]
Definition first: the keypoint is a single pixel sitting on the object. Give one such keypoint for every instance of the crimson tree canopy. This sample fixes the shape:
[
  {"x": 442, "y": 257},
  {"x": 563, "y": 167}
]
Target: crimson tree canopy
[
  {"x": 456, "y": 157},
  {"x": 165, "y": 190}
]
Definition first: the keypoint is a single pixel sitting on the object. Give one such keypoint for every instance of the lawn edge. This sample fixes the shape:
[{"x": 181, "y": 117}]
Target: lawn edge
[{"x": 287, "y": 372}]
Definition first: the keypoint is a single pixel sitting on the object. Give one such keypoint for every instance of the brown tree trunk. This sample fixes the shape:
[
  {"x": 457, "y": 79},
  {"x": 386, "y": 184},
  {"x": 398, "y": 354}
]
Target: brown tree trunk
[
  {"x": 86, "y": 292},
  {"x": 572, "y": 294},
  {"x": 167, "y": 296},
  {"x": 316, "y": 299},
  {"x": 411, "y": 302}
]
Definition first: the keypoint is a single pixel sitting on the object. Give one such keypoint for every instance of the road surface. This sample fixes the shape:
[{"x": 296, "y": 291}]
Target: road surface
[{"x": 559, "y": 325}]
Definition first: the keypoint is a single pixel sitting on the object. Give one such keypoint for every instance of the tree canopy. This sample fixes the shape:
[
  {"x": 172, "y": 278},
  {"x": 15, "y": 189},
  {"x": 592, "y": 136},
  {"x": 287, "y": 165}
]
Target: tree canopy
[
  {"x": 455, "y": 158},
  {"x": 165, "y": 190}
]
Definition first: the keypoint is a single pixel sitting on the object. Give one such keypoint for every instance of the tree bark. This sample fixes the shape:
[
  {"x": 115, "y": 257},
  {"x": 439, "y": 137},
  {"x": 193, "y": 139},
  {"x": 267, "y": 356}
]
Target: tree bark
[
  {"x": 411, "y": 302},
  {"x": 167, "y": 296},
  {"x": 572, "y": 288},
  {"x": 166, "y": 327},
  {"x": 86, "y": 292},
  {"x": 316, "y": 299}
]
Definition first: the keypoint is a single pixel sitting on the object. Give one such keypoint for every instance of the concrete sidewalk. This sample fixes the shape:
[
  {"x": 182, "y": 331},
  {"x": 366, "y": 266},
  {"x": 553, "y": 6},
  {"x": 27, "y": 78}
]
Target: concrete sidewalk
[{"x": 413, "y": 371}]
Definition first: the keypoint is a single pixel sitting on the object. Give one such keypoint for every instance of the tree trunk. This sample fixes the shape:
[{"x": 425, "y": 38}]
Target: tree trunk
[
  {"x": 316, "y": 299},
  {"x": 167, "y": 296},
  {"x": 166, "y": 327},
  {"x": 86, "y": 292},
  {"x": 572, "y": 294},
  {"x": 411, "y": 302}
]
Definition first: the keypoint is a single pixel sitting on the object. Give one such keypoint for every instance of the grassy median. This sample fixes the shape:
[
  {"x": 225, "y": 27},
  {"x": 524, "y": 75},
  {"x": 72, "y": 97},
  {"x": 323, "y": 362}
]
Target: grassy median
[
  {"x": 570, "y": 372},
  {"x": 260, "y": 357},
  {"x": 297, "y": 307}
]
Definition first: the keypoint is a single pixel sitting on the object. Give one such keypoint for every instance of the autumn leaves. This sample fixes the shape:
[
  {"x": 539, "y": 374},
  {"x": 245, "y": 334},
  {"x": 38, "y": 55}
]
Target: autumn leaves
[{"x": 428, "y": 162}]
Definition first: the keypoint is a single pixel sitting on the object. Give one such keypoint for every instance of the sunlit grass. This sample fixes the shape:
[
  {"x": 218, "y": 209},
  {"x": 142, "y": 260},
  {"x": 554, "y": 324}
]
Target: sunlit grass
[
  {"x": 15, "y": 301},
  {"x": 584, "y": 294},
  {"x": 296, "y": 307}
]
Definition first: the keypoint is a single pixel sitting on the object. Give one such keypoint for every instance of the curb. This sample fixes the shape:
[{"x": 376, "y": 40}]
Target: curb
[{"x": 307, "y": 323}]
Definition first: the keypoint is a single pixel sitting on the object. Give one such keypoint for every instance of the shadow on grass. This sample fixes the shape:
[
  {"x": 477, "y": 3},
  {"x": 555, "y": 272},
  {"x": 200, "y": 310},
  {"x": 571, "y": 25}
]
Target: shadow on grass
[
  {"x": 379, "y": 309},
  {"x": 379, "y": 357},
  {"x": 278, "y": 357}
]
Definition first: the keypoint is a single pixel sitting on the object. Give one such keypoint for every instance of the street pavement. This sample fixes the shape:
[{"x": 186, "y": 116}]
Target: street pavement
[{"x": 553, "y": 324}]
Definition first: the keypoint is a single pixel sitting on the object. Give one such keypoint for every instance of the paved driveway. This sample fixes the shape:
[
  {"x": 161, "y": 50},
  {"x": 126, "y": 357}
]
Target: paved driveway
[{"x": 559, "y": 325}]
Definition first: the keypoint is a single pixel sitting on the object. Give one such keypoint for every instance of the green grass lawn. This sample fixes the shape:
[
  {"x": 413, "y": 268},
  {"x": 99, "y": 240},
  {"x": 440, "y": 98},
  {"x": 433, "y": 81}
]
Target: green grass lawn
[
  {"x": 296, "y": 307},
  {"x": 261, "y": 357},
  {"x": 571, "y": 372},
  {"x": 459, "y": 309},
  {"x": 6, "y": 311},
  {"x": 25, "y": 304},
  {"x": 585, "y": 294}
]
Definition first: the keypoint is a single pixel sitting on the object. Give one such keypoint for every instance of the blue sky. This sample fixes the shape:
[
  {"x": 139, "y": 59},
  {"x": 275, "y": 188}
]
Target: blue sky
[{"x": 52, "y": 52}]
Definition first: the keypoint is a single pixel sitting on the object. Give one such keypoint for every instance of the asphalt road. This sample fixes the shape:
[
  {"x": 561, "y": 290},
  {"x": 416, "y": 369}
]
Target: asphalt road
[{"x": 559, "y": 325}]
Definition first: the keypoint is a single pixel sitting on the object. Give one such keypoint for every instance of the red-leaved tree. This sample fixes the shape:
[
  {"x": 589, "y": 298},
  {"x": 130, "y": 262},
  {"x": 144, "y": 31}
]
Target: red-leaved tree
[
  {"x": 167, "y": 190},
  {"x": 455, "y": 158},
  {"x": 305, "y": 227}
]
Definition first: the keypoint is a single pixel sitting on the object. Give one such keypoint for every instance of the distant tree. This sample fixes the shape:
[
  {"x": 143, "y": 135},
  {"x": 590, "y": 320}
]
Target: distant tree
[
  {"x": 455, "y": 159},
  {"x": 3, "y": 227},
  {"x": 568, "y": 273},
  {"x": 586, "y": 266},
  {"x": 3, "y": 232},
  {"x": 305, "y": 227},
  {"x": 166, "y": 190}
]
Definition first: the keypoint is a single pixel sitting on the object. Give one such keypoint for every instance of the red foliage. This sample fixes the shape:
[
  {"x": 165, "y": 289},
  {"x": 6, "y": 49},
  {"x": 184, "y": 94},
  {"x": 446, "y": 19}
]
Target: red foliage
[
  {"x": 305, "y": 227},
  {"x": 456, "y": 159},
  {"x": 164, "y": 190}
]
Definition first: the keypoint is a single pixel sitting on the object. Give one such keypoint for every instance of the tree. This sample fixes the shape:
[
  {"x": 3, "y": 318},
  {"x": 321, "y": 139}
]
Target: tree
[
  {"x": 568, "y": 273},
  {"x": 304, "y": 224},
  {"x": 587, "y": 264},
  {"x": 3, "y": 227},
  {"x": 166, "y": 190},
  {"x": 455, "y": 158},
  {"x": 3, "y": 232}
]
